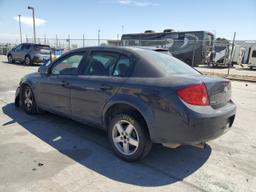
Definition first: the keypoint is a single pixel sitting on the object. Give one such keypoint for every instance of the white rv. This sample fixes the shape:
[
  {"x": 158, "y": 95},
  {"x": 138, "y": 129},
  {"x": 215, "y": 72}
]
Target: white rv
[
  {"x": 252, "y": 57},
  {"x": 238, "y": 54}
]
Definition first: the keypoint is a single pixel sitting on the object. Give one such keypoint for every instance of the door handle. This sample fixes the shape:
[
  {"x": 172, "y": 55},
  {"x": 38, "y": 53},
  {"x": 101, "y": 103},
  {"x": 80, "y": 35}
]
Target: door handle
[
  {"x": 105, "y": 87},
  {"x": 64, "y": 83}
]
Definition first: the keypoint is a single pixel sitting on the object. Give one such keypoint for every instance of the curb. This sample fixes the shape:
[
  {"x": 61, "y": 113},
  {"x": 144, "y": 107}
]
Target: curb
[{"x": 232, "y": 77}]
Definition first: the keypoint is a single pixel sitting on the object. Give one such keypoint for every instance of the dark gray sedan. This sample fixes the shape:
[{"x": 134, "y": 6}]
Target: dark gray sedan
[{"x": 138, "y": 96}]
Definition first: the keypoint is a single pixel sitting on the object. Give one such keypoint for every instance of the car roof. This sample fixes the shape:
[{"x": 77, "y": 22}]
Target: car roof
[
  {"x": 35, "y": 44},
  {"x": 144, "y": 69},
  {"x": 120, "y": 49}
]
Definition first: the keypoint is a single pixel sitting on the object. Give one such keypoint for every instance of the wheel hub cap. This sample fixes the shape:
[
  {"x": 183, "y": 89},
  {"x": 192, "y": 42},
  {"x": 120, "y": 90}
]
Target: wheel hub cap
[
  {"x": 125, "y": 137},
  {"x": 28, "y": 98}
]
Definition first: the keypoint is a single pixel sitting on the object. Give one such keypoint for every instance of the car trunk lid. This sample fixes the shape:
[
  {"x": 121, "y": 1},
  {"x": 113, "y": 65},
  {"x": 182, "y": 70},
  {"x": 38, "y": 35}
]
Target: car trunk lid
[{"x": 219, "y": 89}]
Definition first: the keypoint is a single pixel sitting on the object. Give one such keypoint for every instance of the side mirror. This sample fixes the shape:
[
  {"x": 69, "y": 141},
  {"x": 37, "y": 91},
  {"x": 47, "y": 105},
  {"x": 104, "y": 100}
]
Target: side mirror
[{"x": 44, "y": 69}]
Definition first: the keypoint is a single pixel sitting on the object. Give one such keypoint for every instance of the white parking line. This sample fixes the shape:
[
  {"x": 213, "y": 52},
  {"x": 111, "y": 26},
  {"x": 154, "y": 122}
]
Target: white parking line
[{"x": 11, "y": 91}]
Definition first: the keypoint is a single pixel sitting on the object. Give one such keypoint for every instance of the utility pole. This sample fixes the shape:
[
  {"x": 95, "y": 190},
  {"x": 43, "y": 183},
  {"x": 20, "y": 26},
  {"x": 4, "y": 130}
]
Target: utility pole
[
  {"x": 56, "y": 41},
  {"x": 45, "y": 39},
  {"x": 99, "y": 37},
  {"x": 69, "y": 42},
  {"x": 232, "y": 52},
  {"x": 122, "y": 29},
  {"x": 83, "y": 40},
  {"x": 20, "y": 29},
  {"x": 34, "y": 23}
]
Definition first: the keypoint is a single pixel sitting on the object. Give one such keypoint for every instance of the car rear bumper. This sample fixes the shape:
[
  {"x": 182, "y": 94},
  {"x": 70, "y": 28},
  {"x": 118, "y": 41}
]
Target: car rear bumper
[
  {"x": 197, "y": 126},
  {"x": 210, "y": 126},
  {"x": 40, "y": 58}
]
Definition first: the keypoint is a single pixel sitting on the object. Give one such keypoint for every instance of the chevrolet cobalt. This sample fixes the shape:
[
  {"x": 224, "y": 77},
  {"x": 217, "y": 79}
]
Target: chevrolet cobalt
[{"x": 138, "y": 96}]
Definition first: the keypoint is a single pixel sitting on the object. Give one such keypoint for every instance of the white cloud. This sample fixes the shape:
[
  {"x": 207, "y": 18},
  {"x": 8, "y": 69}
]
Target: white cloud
[
  {"x": 29, "y": 21},
  {"x": 136, "y": 3}
]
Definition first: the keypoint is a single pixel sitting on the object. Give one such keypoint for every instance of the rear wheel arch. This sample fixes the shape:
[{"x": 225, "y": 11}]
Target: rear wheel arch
[{"x": 122, "y": 108}]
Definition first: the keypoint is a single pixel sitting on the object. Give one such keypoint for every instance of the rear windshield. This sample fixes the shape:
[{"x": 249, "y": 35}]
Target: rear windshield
[
  {"x": 42, "y": 47},
  {"x": 167, "y": 63}
]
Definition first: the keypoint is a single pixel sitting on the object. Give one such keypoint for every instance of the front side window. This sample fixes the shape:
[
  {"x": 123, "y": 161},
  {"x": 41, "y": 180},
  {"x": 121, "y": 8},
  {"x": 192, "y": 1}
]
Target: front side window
[
  {"x": 18, "y": 48},
  {"x": 68, "y": 65},
  {"x": 101, "y": 64},
  {"x": 122, "y": 67}
]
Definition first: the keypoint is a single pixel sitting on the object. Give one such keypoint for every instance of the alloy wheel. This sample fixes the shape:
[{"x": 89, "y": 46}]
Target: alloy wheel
[
  {"x": 125, "y": 137},
  {"x": 28, "y": 98},
  {"x": 27, "y": 61}
]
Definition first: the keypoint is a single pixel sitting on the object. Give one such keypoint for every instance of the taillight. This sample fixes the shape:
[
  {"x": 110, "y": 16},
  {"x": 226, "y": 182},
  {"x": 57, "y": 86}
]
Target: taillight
[
  {"x": 194, "y": 95},
  {"x": 37, "y": 49}
]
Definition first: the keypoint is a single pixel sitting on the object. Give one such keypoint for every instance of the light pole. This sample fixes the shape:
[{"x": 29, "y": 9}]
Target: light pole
[
  {"x": 20, "y": 29},
  {"x": 122, "y": 29},
  {"x": 99, "y": 37},
  {"x": 34, "y": 24}
]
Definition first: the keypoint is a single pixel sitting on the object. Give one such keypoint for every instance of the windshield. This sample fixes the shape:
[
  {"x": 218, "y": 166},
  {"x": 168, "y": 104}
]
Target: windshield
[{"x": 167, "y": 63}]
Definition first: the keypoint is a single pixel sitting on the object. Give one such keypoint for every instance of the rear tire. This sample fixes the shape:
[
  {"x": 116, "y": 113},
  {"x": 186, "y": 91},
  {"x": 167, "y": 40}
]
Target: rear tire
[
  {"x": 129, "y": 137},
  {"x": 27, "y": 60},
  {"x": 28, "y": 100}
]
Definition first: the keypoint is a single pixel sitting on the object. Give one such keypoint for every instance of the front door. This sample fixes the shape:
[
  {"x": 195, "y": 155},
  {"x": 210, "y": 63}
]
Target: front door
[
  {"x": 54, "y": 90},
  {"x": 17, "y": 52}
]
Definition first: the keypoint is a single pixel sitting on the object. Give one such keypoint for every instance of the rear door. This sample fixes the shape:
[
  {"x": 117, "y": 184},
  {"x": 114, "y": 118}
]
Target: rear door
[
  {"x": 54, "y": 89},
  {"x": 99, "y": 81},
  {"x": 24, "y": 51}
]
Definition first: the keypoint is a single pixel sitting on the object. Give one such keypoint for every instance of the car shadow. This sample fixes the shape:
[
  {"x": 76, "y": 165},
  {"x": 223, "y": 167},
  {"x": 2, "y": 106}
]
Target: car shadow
[
  {"x": 21, "y": 64},
  {"x": 163, "y": 166}
]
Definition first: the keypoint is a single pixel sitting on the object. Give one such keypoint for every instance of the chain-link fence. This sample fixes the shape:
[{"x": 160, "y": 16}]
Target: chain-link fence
[
  {"x": 4, "y": 48},
  {"x": 195, "y": 52},
  {"x": 71, "y": 43}
]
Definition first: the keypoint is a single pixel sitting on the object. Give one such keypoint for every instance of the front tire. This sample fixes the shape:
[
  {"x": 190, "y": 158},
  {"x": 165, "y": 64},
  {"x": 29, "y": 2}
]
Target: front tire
[
  {"x": 10, "y": 59},
  {"x": 129, "y": 137},
  {"x": 28, "y": 100}
]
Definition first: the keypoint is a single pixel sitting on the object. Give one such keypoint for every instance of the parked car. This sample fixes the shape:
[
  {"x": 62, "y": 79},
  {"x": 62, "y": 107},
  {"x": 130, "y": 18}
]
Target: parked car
[
  {"x": 56, "y": 53},
  {"x": 29, "y": 53},
  {"x": 138, "y": 96}
]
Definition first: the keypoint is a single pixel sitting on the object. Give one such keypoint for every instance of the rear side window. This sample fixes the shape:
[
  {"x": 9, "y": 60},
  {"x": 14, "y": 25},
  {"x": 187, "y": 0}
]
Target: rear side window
[
  {"x": 26, "y": 46},
  {"x": 101, "y": 64},
  {"x": 122, "y": 67},
  {"x": 166, "y": 63}
]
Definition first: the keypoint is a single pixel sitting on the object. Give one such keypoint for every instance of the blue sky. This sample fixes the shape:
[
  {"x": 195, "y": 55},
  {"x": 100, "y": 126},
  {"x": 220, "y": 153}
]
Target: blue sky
[{"x": 76, "y": 17}]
